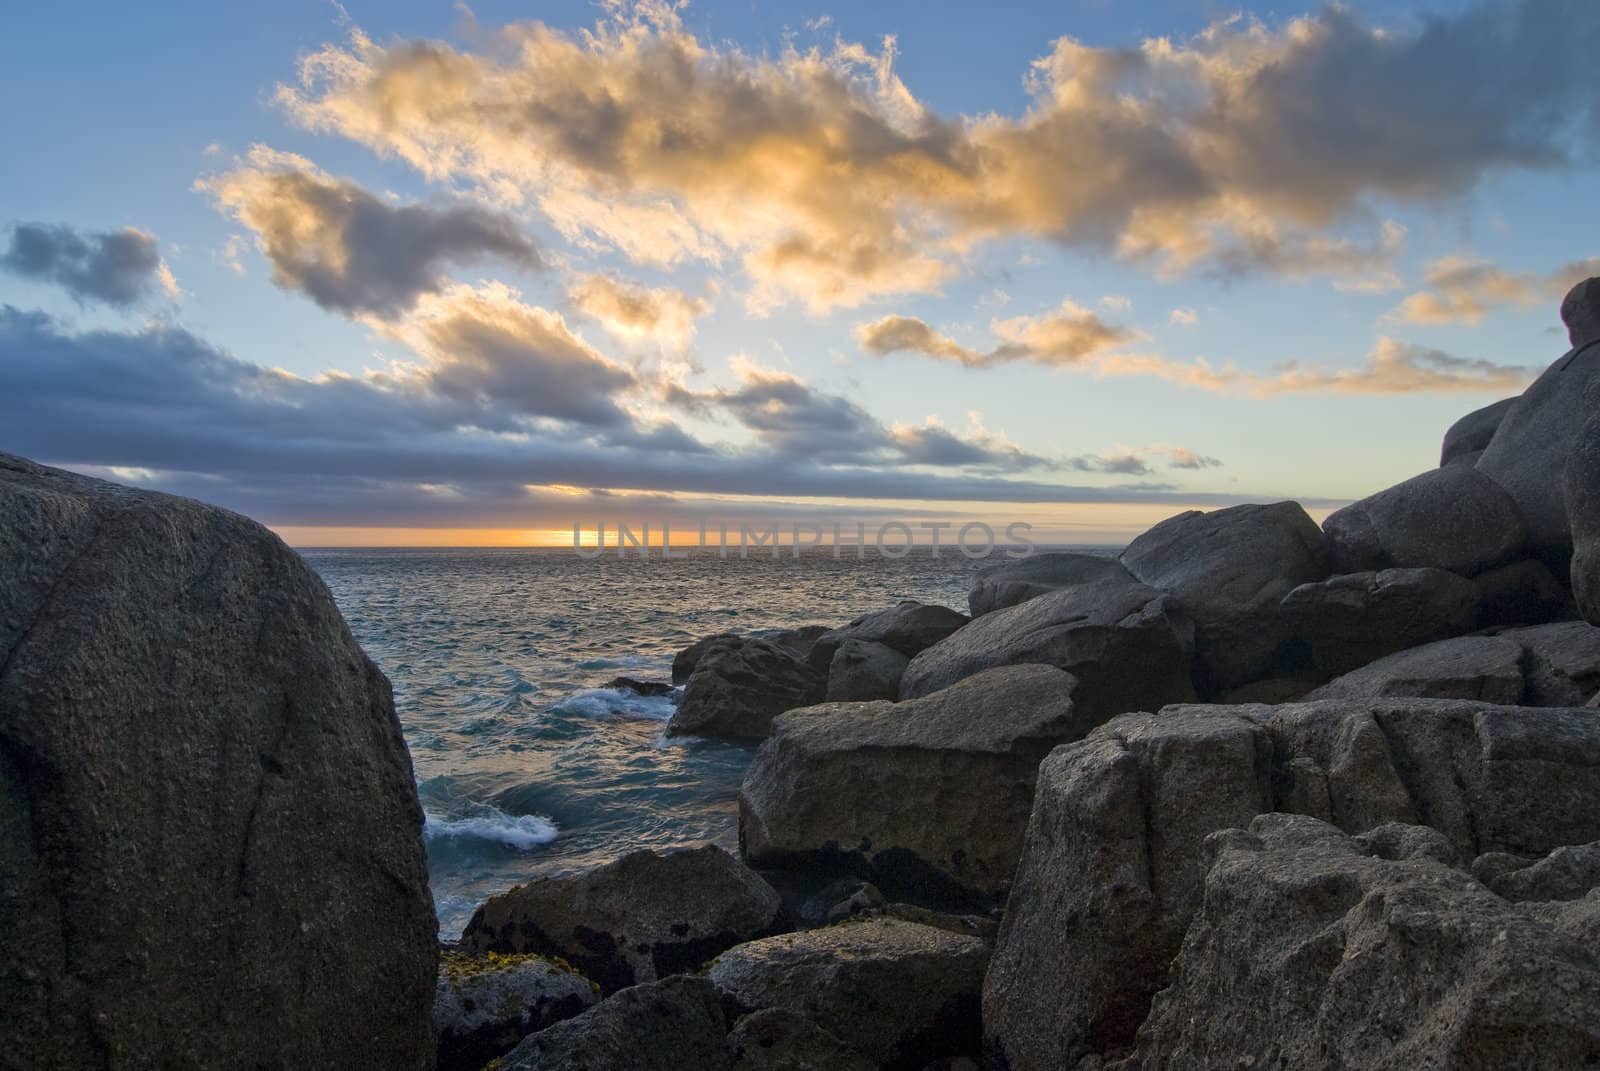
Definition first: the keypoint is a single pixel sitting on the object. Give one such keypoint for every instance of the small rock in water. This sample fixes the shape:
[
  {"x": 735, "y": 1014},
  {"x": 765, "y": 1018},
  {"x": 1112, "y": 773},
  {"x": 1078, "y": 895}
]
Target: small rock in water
[{"x": 638, "y": 687}]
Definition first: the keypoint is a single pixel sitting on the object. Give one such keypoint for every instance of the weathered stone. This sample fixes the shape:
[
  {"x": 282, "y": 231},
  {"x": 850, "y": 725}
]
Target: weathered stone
[
  {"x": 799, "y": 640},
  {"x": 1561, "y": 663},
  {"x": 862, "y": 671},
  {"x": 1111, "y": 870},
  {"x": 639, "y": 687},
  {"x": 927, "y": 797},
  {"x": 738, "y": 686},
  {"x": 1568, "y": 873},
  {"x": 1467, "y": 667},
  {"x": 1464, "y": 442},
  {"x": 484, "y": 1005},
  {"x": 907, "y": 627},
  {"x": 210, "y": 842},
  {"x": 1581, "y": 496},
  {"x": 1128, "y": 645},
  {"x": 1539, "y": 432},
  {"x": 1522, "y": 593},
  {"x": 684, "y": 662},
  {"x": 838, "y": 900},
  {"x": 1453, "y": 518},
  {"x": 996, "y": 587},
  {"x": 776, "y": 1039},
  {"x": 1580, "y": 311},
  {"x": 1229, "y": 570},
  {"x": 1350, "y": 620},
  {"x": 1308, "y": 951},
  {"x": 1271, "y": 690},
  {"x": 643, "y": 917},
  {"x": 899, "y": 993},
  {"x": 676, "y": 1023}
]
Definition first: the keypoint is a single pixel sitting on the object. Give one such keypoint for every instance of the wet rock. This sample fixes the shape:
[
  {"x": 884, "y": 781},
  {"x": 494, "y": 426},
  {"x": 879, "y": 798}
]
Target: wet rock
[
  {"x": 996, "y": 587},
  {"x": 928, "y": 797},
  {"x": 1464, "y": 442},
  {"x": 862, "y": 671},
  {"x": 641, "y": 918},
  {"x": 1128, "y": 645},
  {"x": 899, "y": 993},
  {"x": 1347, "y": 621},
  {"x": 776, "y": 1039},
  {"x": 907, "y": 627},
  {"x": 738, "y": 686},
  {"x": 210, "y": 842},
  {"x": 676, "y": 1023},
  {"x": 638, "y": 687},
  {"x": 1308, "y": 951},
  {"x": 1229, "y": 570},
  {"x": 484, "y": 1005},
  {"x": 1453, "y": 518}
]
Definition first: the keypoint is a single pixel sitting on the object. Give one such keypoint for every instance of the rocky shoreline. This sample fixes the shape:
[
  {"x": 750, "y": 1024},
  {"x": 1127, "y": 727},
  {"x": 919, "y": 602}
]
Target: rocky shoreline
[{"x": 1254, "y": 793}]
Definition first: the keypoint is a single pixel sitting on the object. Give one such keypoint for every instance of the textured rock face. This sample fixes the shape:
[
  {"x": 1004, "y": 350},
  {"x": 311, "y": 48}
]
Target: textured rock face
[
  {"x": 1351, "y": 620},
  {"x": 1522, "y": 593},
  {"x": 1128, "y": 645},
  {"x": 775, "y": 1039},
  {"x": 1229, "y": 571},
  {"x": 739, "y": 685},
  {"x": 1467, "y": 437},
  {"x": 485, "y": 1005},
  {"x": 1453, "y": 518},
  {"x": 1580, "y": 311},
  {"x": 899, "y": 993},
  {"x": 1112, "y": 870},
  {"x": 908, "y": 628},
  {"x": 862, "y": 671},
  {"x": 642, "y": 918},
  {"x": 1531, "y": 448},
  {"x": 996, "y": 587},
  {"x": 669, "y": 1025},
  {"x": 1311, "y": 949},
  {"x": 1581, "y": 495},
  {"x": 210, "y": 841},
  {"x": 929, "y": 797},
  {"x": 1486, "y": 668},
  {"x": 684, "y": 662}
]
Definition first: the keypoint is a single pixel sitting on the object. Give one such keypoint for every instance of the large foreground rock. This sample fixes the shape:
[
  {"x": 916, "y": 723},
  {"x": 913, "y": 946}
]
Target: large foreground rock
[
  {"x": 643, "y": 917},
  {"x": 670, "y": 1025},
  {"x": 1453, "y": 518},
  {"x": 928, "y": 797},
  {"x": 1465, "y": 440},
  {"x": 210, "y": 842},
  {"x": 1314, "y": 949},
  {"x": 898, "y": 992},
  {"x": 1581, "y": 493},
  {"x": 996, "y": 587},
  {"x": 1350, "y": 620},
  {"x": 776, "y": 1039},
  {"x": 1112, "y": 869},
  {"x": 1229, "y": 570},
  {"x": 1531, "y": 447},
  {"x": 862, "y": 671},
  {"x": 740, "y": 684},
  {"x": 486, "y": 1004},
  {"x": 1129, "y": 645}
]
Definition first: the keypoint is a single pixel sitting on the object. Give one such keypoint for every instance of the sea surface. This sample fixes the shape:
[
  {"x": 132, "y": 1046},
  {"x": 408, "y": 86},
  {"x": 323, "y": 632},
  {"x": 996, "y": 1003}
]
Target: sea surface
[{"x": 526, "y": 763}]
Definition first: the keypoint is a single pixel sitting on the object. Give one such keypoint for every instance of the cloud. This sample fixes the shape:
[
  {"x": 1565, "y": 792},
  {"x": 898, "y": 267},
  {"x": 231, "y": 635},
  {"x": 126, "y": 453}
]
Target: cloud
[
  {"x": 1247, "y": 147},
  {"x": 1462, "y": 290},
  {"x": 1069, "y": 335},
  {"x": 344, "y": 248},
  {"x": 637, "y": 313},
  {"x": 1142, "y": 461},
  {"x": 1392, "y": 367},
  {"x": 1184, "y": 317},
  {"x": 111, "y": 267}
]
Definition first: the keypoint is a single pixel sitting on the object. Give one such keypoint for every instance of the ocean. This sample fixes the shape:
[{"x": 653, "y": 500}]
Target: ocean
[{"x": 526, "y": 764}]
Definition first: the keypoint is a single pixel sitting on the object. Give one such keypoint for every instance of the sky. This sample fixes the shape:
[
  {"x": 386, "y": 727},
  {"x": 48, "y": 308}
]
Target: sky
[{"x": 423, "y": 273}]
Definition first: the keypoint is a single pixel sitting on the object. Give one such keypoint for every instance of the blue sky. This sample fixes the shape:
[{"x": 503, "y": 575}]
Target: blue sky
[{"x": 1086, "y": 263}]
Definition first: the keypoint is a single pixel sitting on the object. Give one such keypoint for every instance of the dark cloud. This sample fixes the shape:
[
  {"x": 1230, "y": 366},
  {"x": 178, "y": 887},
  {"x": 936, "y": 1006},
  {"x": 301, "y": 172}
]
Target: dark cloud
[
  {"x": 113, "y": 267},
  {"x": 349, "y": 251},
  {"x": 346, "y": 450}
]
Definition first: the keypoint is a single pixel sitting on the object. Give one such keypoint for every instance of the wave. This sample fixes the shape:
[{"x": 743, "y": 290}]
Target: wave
[
  {"x": 615, "y": 702},
  {"x": 520, "y": 831}
]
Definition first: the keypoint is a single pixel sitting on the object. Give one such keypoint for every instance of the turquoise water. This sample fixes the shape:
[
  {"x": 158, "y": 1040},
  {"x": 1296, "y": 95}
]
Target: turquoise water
[{"x": 525, "y": 763}]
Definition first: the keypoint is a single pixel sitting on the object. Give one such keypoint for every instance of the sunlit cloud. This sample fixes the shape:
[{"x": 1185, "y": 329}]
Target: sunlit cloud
[
  {"x": 1245, "y": 148},
  {"x": 349, "y": 251},
  {"x": 1462, "y": 290},
  {"x": 635, "y": 313},
  {"x": 1065, "y": 336}
]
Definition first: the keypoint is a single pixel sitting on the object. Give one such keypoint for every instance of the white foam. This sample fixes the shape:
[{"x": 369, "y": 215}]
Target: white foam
[
  {"x": 520, "y": 831},
  {"x": 617, "y": 702}
]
